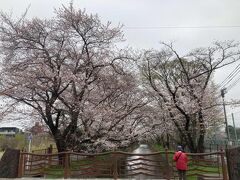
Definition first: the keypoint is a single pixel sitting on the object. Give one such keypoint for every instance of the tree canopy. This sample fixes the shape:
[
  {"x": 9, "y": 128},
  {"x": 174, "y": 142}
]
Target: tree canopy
[
  {"x": 69, "y": 70},
  {"x": 184, "y": 87}
]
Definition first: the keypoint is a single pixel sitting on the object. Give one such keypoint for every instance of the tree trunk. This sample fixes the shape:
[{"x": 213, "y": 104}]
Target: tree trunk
[
  {"x": 200, "y": 145},
  {"x": 61, "y": 146},
  {"x": 167, "y": 141}
]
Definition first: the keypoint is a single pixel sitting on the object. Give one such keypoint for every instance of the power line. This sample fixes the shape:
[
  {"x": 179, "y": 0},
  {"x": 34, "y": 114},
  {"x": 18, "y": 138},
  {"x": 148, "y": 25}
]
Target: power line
[
  {"x": 230, "y": 79},
  {"x": 230, "y": 76},
  {"x": 233, "y": 84},
  {"x": 183, "y": 27}
]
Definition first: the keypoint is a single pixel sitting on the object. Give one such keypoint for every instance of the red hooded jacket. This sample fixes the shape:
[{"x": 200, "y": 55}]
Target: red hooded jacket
[{"x": 181, "y": 160}]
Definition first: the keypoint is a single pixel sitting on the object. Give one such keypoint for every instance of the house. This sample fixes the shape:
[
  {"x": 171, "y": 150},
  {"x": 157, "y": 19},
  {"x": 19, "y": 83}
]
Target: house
[
  {"x": 37, "y": 129},
  {"x": 10, "y": 131}
]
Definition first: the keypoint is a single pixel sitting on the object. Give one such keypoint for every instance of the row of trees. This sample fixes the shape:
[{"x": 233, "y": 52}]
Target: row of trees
[
  {"x": 94, "y": 96},
  {"x": 234, "y": 133}
]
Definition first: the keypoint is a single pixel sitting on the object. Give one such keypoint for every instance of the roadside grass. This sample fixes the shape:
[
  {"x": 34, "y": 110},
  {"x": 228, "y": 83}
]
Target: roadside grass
[
  {"x": 158, "y": 147},
  {"x": 57, "y": 171},
  {"x": 54, "y": 172},
  {"x": 20, "y": 141},
  {"x": 42, "y": 142},
  {"x": 192, "y": 178}
]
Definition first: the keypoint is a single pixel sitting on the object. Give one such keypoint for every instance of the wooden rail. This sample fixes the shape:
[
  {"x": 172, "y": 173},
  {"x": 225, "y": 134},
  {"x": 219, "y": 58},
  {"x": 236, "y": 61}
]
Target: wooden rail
[{"x": 119, "y": 164}]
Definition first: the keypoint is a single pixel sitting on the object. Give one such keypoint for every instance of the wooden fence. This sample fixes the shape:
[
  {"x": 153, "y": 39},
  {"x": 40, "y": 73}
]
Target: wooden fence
[
  {"x": 119, "y": 165},
  {"x": 48, "y": 150},
  {"x": 233, "y": 160}
]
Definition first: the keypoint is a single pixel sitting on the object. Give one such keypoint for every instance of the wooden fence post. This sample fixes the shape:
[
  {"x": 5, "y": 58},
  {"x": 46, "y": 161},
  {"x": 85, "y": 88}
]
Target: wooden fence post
[
  {"x": 224, "y": 167},
  {"x": 167, "y": 164},
  {"x": 49, "y": 155},
  {"x": 50, "y": 149},
  {"x": 115, "y": 171},
  {"x": 66, "y": 165},
  {"x": 21, "y": 165}
]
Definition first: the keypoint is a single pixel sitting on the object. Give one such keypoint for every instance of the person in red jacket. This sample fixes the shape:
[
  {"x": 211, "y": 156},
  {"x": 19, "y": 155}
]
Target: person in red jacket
[{"x": 181, "y": 162}]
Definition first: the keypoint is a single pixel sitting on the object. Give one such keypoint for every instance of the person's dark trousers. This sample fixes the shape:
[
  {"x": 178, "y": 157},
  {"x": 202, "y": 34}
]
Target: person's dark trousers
[{"x": 182, "y": 174}]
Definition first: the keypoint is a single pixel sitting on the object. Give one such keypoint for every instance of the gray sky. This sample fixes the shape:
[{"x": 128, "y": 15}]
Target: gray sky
[{"x": 156, "y": 13}]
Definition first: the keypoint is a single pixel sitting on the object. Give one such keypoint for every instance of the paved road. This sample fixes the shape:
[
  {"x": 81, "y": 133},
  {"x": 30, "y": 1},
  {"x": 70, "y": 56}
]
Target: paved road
[{"x": 145, "y": 164}]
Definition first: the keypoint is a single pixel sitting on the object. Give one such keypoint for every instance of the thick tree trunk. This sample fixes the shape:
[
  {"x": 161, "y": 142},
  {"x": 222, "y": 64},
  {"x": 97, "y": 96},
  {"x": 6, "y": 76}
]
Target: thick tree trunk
[
  {"x": 200, "y": 145},
  {"x": 61, "y": 146},
  {"x": 167, "y": 141}
]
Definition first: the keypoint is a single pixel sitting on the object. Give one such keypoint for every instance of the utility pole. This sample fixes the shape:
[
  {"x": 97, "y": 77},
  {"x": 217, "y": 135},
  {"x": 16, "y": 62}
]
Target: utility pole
[
  {"x": 235, "y": 132},
  {"x": 223, "y": 92}
]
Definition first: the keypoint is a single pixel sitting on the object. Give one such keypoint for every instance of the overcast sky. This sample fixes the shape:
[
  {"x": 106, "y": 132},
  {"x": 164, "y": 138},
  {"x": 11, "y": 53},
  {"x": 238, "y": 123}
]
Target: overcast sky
[{"x": 146, "y": 21}]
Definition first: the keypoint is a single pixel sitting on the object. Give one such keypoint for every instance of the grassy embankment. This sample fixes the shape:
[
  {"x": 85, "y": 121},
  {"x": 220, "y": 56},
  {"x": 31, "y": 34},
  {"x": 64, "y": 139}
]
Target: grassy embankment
[
  {"x": 20, "y": 142},
  {"x": 57, "y": 171}
]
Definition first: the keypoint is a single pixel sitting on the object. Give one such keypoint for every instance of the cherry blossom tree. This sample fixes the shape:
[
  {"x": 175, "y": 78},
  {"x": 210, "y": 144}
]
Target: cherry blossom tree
[
  {"x": 184, "y": 86},
  {"x": 69, "y": 70}
]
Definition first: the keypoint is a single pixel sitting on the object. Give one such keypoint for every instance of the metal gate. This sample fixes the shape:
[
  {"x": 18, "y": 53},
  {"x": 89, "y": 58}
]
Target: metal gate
[{"x": 233, "y": 159}]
